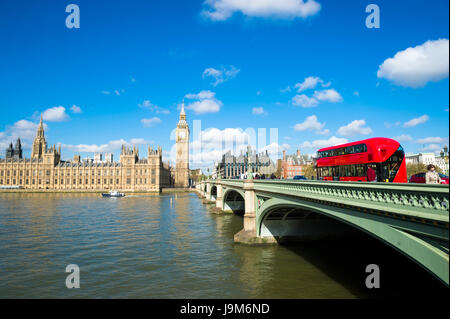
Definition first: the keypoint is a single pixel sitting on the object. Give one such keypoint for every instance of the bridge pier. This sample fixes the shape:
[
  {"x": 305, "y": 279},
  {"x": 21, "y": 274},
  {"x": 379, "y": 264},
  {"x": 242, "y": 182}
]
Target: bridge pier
[
  {"x": 248, "y": 234},
  {"x": 219, "y": 200},
  {"x": 208, "y": 198},
  {"x": 218, "y": 208}
]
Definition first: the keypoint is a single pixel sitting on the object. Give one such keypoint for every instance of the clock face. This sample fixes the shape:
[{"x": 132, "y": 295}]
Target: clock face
[{"x": 181, "y": 134}]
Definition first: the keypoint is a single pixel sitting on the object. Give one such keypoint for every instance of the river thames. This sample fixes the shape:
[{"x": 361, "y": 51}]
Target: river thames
[{"x": 172, "y": 246}]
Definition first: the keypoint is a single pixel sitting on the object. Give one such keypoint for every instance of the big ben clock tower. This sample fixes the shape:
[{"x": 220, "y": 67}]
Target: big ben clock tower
[{"x": 182, "y": 148}]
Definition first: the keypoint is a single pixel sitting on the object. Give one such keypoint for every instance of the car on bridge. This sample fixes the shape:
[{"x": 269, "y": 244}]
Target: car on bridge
[
  {"x": 300, "y": 177},
  {"x": 420, "y": 178}
]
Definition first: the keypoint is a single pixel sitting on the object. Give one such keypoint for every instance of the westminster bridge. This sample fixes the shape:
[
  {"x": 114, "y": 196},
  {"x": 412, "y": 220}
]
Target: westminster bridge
[{"x": 412, "y": 218}]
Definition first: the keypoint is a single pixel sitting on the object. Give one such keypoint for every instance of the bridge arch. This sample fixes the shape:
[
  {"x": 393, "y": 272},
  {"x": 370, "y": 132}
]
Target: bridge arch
[
  {"x": 426, "y": 252},
  {"x": 213, "y": 192},
  {"x": 233, "y": 201}
]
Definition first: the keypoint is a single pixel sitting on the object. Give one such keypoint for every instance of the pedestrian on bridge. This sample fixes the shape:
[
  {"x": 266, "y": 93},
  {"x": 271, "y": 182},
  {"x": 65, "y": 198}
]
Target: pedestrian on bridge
[{"x": 432, "y": 177}]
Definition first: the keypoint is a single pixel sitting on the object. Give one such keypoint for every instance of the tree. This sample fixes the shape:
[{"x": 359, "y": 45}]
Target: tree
[
  {"x": 279, "y": 171},
  {"x": 416, "y": 168},
  {"x": 309, "y": 171}
]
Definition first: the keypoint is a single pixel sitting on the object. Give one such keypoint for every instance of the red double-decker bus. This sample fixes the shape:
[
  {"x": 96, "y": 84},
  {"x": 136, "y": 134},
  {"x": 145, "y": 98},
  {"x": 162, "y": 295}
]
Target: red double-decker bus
[{"x": 375, "y": 160}]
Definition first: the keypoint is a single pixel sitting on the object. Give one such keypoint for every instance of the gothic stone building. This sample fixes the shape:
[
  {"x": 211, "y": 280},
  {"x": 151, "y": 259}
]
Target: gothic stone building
[
  {"x": 235, "y": 166},
  {"x": 46, "y": 170},
  {"x": 14, "y": 152}
]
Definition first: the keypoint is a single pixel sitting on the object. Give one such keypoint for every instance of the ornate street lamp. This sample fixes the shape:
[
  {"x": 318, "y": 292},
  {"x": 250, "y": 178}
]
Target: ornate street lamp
[{"x": 249, "y": 169}]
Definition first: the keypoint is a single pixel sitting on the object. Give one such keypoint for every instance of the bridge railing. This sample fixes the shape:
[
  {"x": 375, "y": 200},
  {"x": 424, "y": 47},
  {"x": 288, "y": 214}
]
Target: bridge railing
[
  {"x": 412, "y": 199},
  {"x": 429, "y": 199}
]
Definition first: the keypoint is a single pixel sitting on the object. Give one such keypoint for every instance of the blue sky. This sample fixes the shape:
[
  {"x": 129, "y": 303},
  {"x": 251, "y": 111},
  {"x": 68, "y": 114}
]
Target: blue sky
[{"x": 311, "y": 69}]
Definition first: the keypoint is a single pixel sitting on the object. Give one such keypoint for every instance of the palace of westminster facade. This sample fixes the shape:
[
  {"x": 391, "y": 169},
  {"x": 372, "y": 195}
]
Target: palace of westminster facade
[{"x": 46, "y": 170}]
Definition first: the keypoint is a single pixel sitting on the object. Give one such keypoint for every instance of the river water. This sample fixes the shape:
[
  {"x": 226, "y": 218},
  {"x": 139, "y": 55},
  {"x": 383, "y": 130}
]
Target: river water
[{"x": 172, "y": 246}]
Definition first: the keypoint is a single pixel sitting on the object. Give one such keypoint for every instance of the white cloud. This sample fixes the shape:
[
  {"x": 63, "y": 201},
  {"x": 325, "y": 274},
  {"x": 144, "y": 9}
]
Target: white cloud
[
  {"x": 356, "y": 93},
  {"x": 258, "y": 111},
  {"x": 150, "y": 121},
  {"x": 55, "y": 114},
  {"x": 140, "y": 141},
  {"x": 207, "y": 102},
  {"x": 200, "y": 96},
  {"x": 287, "y": 89},
  {"x": 309, "y": 83},
  {"x": 220, "y": 10},
  {"x": 304, "y": 101},
  {"x": 332, "y": 141},
  {"x": 146, "y": 104},
  {"x": 330, "y": 95},
  {"x": 416, "y": 66},
  {"x": 106, "y": 92},
  {"x": 117, "y": 92},
  {"x": 221, "y": 75},
  {"x": 24, "y": 129},
  {"x": 76, "y": 109},
  {"x": 274, "y": 149},
  {"x": 205, "y": 106},
  {"x": 111, "y": 146},
  {"x": 403, "y": 138},
  {"x": 354, "y": 128},
  {"x": 416, "y": 121},
  {"x": 389, "y": 125},
  {"x": 432, "y": 147},
  {"x": 429, "y": 140},
  {"x": 212, "y": 143},
  {"x": 311, "y": 124}
]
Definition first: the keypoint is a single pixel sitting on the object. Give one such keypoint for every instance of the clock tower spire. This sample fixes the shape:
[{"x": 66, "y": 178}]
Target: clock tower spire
[{"x": 182, "y": 149}]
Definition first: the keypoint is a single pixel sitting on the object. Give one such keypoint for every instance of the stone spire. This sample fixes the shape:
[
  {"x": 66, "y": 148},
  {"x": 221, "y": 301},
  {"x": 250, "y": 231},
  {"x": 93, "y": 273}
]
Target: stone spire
[
  {"x": 182, "y": 109},
  {"x": 182, "y": 120},
  {"x": 39, "y": 144},
  {"x": 18, "y": 144},
  {"x": 40, "y": 130}
]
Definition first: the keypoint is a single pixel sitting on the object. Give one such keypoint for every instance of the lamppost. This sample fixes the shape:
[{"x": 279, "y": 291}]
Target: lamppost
[
  {"x": 249, "y": 169},
  {"x": 444, "y": 156}
]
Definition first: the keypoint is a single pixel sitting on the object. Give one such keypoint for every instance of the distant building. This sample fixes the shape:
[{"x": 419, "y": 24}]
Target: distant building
[
  {"x": 429, "y": 158},
  {"x": 235, "y": 166},
  {"x": 109, "y": 157},
  {"x": 14, "y": 152},
  {"x": 292, "y": 165},
  {"x": 98, "y": 158},
  {"x": 46, "y": 170}
]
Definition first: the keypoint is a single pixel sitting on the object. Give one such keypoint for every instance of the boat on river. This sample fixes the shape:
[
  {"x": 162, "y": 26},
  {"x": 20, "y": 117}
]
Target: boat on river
[{"x": 113, "y": 194}]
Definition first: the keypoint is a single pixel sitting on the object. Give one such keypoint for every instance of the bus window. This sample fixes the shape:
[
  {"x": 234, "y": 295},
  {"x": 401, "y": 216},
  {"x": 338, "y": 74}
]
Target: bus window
[
  {"x": 334, "y": 171},
  {"x": 391, "y": 166},
  {"x": 349, "y": 149},
  {"x": 360, "y": 170},
  {"x": 342, "y": 170}
]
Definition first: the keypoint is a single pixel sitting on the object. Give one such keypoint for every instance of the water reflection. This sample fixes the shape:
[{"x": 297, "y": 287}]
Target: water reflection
[{"x": 160, "y": 246}]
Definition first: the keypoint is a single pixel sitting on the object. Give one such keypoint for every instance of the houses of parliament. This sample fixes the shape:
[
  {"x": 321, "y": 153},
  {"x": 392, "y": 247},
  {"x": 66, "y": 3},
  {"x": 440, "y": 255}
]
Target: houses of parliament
[{"x": 46, "y": 170}]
